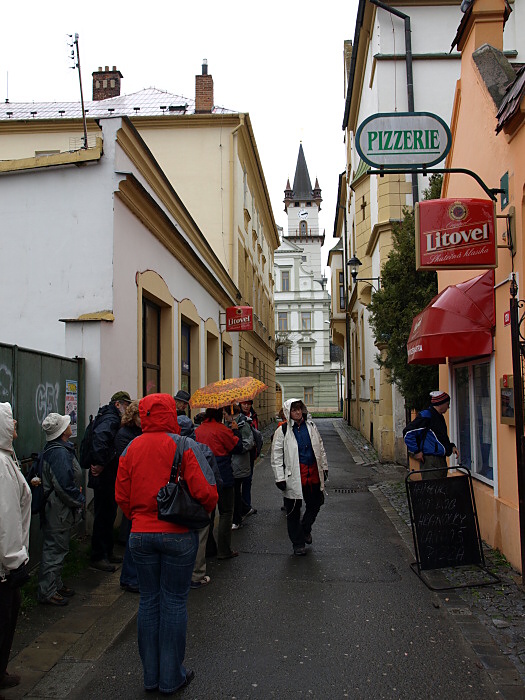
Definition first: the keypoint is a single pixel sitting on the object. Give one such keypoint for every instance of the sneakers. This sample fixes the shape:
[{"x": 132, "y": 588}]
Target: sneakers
[
  {"x": 204, "y": 581},
  {"x": 231, "y": 555},
  {"x": 66, "y": 592},
  {"x": 236, "y": 526},
  {"x": 103, "y": 565},
  {"x": 129, "y": 588},
  {"x": 299, "y": 551},
  {"x": 252, "y": 511},
  {"x": 56, "y": 599},
  {"x": 308, "y": 538}
]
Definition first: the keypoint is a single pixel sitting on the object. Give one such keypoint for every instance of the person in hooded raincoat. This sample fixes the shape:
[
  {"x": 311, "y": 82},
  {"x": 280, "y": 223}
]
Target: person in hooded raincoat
[{"x": 163, "y": 552}]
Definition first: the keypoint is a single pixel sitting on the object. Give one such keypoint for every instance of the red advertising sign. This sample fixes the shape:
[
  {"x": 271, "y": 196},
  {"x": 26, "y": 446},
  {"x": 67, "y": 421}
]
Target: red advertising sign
[
  {"x": 456, "y": 234},
  {"x": 239, "y": 318}
]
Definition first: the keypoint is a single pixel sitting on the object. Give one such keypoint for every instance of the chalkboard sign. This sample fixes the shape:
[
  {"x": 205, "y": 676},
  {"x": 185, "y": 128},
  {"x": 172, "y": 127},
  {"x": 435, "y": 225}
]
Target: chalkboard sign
[{"x": 443, "y": 521}]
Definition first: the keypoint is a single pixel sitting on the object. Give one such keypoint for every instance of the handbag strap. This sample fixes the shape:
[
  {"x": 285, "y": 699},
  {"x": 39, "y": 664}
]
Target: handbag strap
[{"x": 177, "y": 460}]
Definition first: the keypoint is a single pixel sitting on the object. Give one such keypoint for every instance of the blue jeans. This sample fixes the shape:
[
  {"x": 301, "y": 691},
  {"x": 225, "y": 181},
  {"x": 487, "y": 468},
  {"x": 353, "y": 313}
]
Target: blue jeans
[{"x": 164, "y": 562}]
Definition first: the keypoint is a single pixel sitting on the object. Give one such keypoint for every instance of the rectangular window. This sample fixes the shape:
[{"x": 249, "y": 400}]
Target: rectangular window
[
  {"x": 185, "y": 357},
  {"x": 307, "y": 356},
  {"x": 474, "y": 418},
  {"x": 308, "y": 395},
  {"x": 341, "y": 292},
  {"x": 282, "y": 321},
  {"x": 150, "y": 347},
  {"x": 282, "y": 354},
  {"x": 306, "y": 321},
  {"x": 285, "y": 281}
]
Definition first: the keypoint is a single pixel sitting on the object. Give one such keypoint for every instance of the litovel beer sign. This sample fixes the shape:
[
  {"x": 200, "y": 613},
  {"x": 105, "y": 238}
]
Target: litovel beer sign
[
  {"x": 456, "y": 234},
  {"x": 403, "y": 140},
  {"x": 239, "y": 318}
]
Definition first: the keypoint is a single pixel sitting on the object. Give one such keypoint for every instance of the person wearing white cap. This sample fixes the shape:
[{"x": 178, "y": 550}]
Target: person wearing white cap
[
  {"x": 427, "y": 438},
  {"x": 61, "y": 478}
]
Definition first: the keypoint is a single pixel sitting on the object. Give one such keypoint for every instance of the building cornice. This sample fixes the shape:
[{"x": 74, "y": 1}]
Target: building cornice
[{"x": 379, "y": 228}]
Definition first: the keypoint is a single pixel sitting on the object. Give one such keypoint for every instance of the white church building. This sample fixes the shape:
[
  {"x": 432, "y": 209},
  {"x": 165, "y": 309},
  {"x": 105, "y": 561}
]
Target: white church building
[{"x": 306, "y": 368}]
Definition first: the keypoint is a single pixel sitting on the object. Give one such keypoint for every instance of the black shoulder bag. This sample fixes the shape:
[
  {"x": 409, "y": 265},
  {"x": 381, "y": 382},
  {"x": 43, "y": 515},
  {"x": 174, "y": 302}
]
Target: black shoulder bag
[{"x": 174, "y": 501}]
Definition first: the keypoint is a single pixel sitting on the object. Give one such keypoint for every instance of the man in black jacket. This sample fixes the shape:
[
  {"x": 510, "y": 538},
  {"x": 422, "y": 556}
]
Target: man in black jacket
[{"x": 102, "y": 475}]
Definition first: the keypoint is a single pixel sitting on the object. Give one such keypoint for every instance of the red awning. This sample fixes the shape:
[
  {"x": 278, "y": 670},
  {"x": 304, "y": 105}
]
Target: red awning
[{"x": 458, "y": 322}]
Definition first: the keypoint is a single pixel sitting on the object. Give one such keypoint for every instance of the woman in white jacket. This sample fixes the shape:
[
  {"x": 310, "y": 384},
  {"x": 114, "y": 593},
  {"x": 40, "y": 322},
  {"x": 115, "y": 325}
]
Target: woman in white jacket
[
  {"x": 300, "y": 468},
  {"x": 15, "y": 519}
]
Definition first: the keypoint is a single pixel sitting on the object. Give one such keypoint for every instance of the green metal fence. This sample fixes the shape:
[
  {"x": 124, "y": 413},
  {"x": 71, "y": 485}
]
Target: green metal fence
[{"x": 35, "y": 384}]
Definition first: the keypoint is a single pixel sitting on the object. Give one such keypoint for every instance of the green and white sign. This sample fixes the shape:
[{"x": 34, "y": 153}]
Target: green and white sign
[{"x": 403, "y": 140}]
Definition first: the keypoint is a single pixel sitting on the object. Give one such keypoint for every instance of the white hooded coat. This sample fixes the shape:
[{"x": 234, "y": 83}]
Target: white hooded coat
[
  {"x": 285, "y": 455},
  {"x": 15, "y": 500}
]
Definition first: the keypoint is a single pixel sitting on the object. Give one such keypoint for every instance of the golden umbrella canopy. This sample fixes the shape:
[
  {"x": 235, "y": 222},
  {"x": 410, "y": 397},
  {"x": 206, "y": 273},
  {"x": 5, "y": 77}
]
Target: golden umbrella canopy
[{"x": 227, "y": 391}]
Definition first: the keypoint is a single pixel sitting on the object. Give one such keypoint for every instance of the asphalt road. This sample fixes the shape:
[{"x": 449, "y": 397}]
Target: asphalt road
[{"x": 350, "y": 620}]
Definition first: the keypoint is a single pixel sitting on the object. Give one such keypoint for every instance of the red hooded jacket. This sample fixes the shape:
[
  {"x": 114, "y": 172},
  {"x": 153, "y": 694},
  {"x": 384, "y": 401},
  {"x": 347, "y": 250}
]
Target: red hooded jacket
[{"x": 145, "y": 466}]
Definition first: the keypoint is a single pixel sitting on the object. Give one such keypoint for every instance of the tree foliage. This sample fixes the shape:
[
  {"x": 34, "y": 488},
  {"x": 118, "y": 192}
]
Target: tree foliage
[{"x": 404, "y": 293}]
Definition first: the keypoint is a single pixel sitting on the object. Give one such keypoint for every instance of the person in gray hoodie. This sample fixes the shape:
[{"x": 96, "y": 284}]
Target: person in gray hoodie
[{"x": 240, "y": 462}]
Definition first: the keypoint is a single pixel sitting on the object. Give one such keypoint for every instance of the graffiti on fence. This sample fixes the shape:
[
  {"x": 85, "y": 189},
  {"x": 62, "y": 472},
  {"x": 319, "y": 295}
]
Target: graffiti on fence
[
  {"x": 6, "y": 384},
  {"x": 46, "y": 400}
]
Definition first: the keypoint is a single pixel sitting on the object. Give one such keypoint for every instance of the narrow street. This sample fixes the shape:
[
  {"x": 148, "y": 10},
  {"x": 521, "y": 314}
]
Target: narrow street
[{"x": 348, "y": 620}]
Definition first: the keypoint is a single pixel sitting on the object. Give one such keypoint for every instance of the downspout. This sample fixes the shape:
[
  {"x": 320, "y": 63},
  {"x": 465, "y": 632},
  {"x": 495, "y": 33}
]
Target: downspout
[
  {"x": 347, "y": 321},
  {"x": 410, "y": 77},
  {"x": 234, "y": 262}
]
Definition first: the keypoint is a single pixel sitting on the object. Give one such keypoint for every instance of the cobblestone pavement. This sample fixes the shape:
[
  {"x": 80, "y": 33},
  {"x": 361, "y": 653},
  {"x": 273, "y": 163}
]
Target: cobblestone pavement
[{"x": 499, "y": 607}]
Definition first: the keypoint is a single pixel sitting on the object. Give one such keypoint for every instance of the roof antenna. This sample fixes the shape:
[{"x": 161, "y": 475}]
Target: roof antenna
[
  {"x": 7, "y": 88},
  {"x": 75, "y": 57}
]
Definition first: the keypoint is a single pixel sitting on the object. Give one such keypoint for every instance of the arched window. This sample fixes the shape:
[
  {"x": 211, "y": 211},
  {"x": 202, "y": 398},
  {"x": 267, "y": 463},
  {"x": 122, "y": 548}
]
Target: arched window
[{"x": 303, "y": 228}]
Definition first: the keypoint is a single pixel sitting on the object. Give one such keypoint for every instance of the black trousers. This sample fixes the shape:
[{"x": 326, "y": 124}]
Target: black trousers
[
  {"x": 105, "y": 512},
  {"x": 9, "y": 606},
  {"x": 298, "y": 528}
]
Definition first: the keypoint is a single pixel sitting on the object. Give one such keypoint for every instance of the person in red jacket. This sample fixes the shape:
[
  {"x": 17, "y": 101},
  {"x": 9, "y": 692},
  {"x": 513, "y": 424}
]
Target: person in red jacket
[
  {"x": 164, "y": 553},
  {"x": 223, "y": 442}
]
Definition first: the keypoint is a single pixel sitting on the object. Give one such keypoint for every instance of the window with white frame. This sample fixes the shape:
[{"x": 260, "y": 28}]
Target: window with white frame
[
  {"x": 282, "y": 320},
  {"x": 306, "y": 321},
  {"x": 285, "y": 281},
  {"x": 474, "y": 418},
  {"x": 308, "y": 395}
]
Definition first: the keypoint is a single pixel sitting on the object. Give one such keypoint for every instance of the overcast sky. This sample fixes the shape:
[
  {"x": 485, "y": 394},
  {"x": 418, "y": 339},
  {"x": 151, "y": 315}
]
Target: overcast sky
[{"x": 281, "y": 61}]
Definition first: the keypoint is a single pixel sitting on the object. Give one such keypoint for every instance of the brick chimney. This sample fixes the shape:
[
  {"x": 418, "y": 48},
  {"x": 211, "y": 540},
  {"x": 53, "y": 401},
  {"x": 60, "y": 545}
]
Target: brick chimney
[
  {"x": 204, "y": 91},
  {"x": 106, "y": 83}
]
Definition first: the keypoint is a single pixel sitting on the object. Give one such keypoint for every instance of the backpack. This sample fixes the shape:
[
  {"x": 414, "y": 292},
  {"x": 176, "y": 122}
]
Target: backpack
[
  {"x": 38, "y": 496},
  {"x": 258, "y": 438},
  {"x": 86, "y": 446}
]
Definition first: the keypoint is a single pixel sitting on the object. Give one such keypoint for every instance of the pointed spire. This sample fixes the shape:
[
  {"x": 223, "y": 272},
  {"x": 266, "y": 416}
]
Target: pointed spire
[
  {"x": 302, "y": 186},
  {"x": 317, "y": 194}
]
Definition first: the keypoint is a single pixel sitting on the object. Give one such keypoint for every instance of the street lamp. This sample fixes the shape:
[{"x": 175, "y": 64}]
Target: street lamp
[{"x": 354, "y": 264}]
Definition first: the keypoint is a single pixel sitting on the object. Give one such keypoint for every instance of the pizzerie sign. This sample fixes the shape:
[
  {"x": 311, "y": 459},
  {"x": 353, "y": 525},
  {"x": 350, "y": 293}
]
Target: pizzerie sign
[
  {"x": 456, "y": 234},
  {"x": 239, "y": 318},
  {"x": 403, "y": 140}
]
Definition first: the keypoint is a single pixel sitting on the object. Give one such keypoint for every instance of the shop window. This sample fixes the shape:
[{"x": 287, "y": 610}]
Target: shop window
[
  {"x": 185, "y": 357},
  {"x": 150, "y": 347},
  {"x": 309, "y": 395},
  {"x": 474, "y": 418}
]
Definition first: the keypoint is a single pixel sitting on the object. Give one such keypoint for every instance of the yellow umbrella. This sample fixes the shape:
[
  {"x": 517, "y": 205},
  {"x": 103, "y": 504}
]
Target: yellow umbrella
[{"x": 227, "y": 391}]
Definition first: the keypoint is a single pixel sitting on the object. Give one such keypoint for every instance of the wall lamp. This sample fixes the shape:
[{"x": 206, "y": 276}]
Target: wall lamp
[{"x": 354, "y": 264}]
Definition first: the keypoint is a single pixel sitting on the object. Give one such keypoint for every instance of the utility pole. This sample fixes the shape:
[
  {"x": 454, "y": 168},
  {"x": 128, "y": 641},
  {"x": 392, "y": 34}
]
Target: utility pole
[{"x": 75, "y": 57}]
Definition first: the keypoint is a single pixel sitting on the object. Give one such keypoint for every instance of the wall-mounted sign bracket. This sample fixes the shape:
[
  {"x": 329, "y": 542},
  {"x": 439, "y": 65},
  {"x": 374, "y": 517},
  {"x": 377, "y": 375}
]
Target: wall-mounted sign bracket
[{"x": 491, "y": 191}]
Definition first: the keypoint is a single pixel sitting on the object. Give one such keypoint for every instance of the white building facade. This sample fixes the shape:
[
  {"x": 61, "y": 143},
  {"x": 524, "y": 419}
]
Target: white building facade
[{"x": 305, "y": 367}]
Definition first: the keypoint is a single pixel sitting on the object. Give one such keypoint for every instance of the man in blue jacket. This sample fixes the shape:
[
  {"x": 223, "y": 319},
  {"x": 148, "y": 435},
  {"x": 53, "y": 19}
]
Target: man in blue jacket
[{"x": 427, "y": 439}]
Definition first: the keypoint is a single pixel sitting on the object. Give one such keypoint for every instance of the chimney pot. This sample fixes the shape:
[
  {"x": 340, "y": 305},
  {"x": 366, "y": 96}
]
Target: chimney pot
[
  {"x": 107, "y": 68},
  {"x": 204, "y": 66}
]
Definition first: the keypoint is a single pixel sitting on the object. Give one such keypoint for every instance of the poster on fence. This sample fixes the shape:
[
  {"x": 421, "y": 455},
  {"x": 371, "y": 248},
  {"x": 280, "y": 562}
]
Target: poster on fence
[{"x": 72, "y": 404}]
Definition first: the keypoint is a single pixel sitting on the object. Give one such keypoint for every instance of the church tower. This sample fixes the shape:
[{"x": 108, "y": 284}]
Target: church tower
[{"x": 302, "y": 204}]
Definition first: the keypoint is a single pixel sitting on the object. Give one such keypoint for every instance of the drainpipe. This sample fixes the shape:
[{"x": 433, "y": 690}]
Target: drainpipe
[
  {"x": 347, "y": 317},
  {"x": 410, "y": 78}
]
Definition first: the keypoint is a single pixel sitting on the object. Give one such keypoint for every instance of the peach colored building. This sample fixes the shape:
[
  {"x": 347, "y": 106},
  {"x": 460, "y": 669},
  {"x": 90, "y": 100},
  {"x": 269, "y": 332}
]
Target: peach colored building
[{"x": 489, "y": 138}]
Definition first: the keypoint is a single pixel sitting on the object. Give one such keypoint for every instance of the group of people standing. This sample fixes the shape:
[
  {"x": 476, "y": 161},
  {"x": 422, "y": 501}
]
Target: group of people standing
[{"x": 133, "y": 447}]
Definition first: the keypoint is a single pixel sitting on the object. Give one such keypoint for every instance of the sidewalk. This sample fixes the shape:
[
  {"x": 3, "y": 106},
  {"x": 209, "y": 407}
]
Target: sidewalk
[
  {"x": 55, "y": 648},
  {"x": 492, "y": 617}
]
